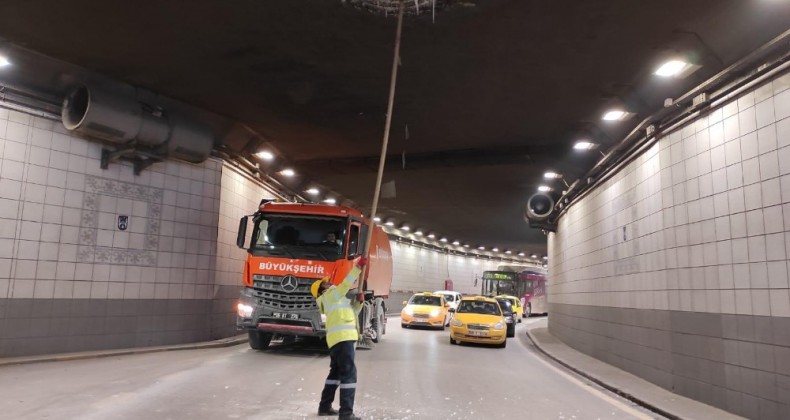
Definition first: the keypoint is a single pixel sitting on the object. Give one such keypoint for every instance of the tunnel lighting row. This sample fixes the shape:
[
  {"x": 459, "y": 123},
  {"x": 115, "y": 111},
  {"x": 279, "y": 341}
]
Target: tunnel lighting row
[
  {"x": 675, "y": 68},
  {"x": 404, "y": 227},
  {"x": 4, "y": 61}
]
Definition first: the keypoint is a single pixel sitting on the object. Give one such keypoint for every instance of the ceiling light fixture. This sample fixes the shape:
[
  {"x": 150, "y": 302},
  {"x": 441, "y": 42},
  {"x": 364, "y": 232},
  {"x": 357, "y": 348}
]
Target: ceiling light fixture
[
  {"x": 405, "y": 227},
  {"x": 466, "y": 245},
  {"x": 495, "y": 249},
  {"x": 265, "y": 155},
  {"x": 456, "y": 243},
  {"x": 287, "y": 172},
  {"x": 671, "y": 68},
  {"x": 418, "y": 232},
  {"x": 377, "y": 219},
  {"x": 330, "y": 201},
  {"x": 390, "y": 223},
  {"x": 545, "y": 257},
  {"x": 616, "y": 115},
  {"x": 534, "y": 256},
  {"x": 4, "y": 61},
  {"x": 544, "y": 188},
  {"x": 521, "y": 254},
  {"x": 432, "y": 236},
  {"x": 508, "y": 252},
  {"x": 552, "y": 175},
  {"x": 482, "y": 248},
  {"x": 584, "y": 145},
  {"x": 313, "y": 191},
  {"x": 443, "y": 240}
]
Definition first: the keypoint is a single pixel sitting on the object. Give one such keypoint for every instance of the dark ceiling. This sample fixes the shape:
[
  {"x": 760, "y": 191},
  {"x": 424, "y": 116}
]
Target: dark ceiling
[{"x": 491, "y": 94}]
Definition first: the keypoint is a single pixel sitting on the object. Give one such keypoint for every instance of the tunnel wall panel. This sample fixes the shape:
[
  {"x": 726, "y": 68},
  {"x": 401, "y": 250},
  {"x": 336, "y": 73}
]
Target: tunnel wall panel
[
  {"x": 70, "y": 279},
  {"x": 676, "y": 268}
]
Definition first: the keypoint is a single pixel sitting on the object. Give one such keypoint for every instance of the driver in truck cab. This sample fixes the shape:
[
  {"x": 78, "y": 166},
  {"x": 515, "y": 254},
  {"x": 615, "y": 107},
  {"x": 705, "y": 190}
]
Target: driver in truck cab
[{"x": 341, "y": 337}]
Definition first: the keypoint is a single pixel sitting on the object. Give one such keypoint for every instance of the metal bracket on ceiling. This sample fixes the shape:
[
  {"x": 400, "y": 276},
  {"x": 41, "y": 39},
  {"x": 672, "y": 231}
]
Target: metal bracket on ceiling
[{"x": 139, "y": 161}]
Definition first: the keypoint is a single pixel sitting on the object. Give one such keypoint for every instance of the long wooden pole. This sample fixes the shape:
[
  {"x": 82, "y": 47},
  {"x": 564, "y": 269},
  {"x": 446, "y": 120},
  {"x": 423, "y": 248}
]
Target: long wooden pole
[{"x": 387, "y": 125}]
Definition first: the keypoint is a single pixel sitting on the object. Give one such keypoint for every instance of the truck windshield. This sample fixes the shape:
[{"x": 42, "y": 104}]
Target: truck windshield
[{"x": 299, "y": 236}]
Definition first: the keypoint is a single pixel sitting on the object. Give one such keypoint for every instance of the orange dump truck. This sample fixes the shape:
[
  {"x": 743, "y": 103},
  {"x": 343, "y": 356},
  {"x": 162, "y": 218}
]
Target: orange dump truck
[{"x": 291, "y": 246}]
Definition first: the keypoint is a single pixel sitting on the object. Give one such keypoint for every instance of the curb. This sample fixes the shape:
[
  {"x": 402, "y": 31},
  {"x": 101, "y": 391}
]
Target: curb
[
  {"x": 611, "y": 388},
  {"x": 224, "y": 342}
]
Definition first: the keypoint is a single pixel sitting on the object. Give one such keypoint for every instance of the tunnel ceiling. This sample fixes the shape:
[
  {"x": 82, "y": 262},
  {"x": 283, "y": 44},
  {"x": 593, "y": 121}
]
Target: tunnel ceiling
[{"x": 490, "y": 94}]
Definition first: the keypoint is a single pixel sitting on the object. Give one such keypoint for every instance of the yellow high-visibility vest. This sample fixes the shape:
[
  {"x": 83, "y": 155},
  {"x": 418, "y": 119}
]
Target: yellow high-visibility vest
[{"x": 341, "y": 319}]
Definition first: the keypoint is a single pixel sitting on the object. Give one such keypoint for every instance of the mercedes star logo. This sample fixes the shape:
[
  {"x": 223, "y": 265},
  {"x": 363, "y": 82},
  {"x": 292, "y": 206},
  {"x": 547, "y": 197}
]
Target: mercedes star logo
[{"x": 289, "y": 283}]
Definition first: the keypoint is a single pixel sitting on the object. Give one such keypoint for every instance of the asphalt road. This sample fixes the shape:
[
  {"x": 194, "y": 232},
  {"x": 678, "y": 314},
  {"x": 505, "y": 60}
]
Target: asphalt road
[{"x": 412, "y": 374}]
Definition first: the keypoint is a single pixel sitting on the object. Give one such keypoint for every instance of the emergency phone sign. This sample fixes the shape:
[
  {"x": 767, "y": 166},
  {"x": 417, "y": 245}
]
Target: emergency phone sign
[{"x": 123, "y": 222}]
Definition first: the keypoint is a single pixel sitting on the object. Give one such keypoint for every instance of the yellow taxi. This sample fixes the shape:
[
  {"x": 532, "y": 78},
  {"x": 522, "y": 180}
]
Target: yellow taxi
[
  {"x": 478, "y": 320},
  {"x": 518, "y": 308},
  {"x": 425, "y": 310}
]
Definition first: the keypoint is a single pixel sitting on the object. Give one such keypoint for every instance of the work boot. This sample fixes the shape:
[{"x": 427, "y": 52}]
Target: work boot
[
  {"x": 328, "y": 412},
  {"x": 351, "y": 416}
]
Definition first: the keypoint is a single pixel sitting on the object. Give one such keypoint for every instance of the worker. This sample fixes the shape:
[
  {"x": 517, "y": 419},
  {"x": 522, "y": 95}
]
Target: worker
[
  {"x": 331, "y": 239},
  {"x": 341, "y": 336}
]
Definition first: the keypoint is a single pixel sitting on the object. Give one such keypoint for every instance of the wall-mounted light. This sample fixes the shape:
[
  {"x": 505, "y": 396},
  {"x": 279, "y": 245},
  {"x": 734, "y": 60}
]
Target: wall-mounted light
[
  {"x": 584, "y": 145},
  {"x": 265, "y": 155},
  {"x": 287, "y": 172},
  {"x": 313, "y": 191}
]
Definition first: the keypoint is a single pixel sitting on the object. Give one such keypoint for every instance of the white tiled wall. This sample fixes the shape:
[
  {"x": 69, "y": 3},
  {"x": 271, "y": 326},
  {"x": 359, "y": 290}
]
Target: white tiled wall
[
  {"x": 420, "y": 269},
  {"x": 700, "y": 222},
  {"x": 58, "y": 220},
  {"x": 240, "y": 196}
]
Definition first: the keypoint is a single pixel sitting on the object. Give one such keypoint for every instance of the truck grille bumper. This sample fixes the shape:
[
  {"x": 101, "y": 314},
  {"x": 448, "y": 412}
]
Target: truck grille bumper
[{"x": 278, "y": 294}]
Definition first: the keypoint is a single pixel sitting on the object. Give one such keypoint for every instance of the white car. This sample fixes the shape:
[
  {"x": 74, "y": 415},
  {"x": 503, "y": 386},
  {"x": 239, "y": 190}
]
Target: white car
[{"x": 452, "y": 298}]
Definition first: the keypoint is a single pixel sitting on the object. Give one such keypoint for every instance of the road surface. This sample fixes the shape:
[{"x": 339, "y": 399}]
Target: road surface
[{"x": 412, "y": 374}]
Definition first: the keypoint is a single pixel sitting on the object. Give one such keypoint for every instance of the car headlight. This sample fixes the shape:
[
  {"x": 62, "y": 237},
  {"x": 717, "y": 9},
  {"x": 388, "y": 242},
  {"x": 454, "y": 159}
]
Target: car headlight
[
  {"x": 408, "y": 311},
  {"x": 244, "y": 311},
  {"x": 499, "y": 326},
  {"x": 435, "y": 313},
  {"x": 457, "y": 323}
]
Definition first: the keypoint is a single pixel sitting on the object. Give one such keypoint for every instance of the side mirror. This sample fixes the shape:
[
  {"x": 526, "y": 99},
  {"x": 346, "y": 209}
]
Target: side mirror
[
  {"x": 451, "y": 310},
  {"x": 242, "y": 233}
]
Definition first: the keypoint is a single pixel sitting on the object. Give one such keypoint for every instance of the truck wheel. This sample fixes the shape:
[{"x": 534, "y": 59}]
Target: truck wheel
[
  {"x": 378, "y": 327},
  {"x": 259, "y": 340}
]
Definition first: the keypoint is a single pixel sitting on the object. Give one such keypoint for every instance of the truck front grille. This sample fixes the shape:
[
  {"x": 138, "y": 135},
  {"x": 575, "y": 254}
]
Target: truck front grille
[{"x": 271, "y": 291}]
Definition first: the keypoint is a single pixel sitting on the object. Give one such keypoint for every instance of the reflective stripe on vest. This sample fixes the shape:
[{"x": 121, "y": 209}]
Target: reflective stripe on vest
[{"x": 336, "y": 328}]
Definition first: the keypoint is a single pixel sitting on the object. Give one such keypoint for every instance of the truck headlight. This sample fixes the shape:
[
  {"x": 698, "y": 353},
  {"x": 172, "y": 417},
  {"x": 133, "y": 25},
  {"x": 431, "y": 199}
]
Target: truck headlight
[
  {"x": 499, "y": 326},
  {"x": 244, "y": 311},
  {"x": 457, "y": 323}
]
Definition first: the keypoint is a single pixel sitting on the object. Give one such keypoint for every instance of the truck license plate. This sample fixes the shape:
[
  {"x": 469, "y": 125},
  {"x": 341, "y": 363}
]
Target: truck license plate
[{"x": 285, "y": 315}]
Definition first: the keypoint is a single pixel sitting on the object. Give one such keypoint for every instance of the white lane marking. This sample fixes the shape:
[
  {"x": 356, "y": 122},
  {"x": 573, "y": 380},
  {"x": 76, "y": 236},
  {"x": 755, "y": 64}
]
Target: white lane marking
[{"x": 594, "y": 391}]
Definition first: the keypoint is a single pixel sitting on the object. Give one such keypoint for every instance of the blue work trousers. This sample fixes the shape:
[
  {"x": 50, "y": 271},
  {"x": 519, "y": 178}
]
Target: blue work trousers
[{"x": 343, "y": 375}]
